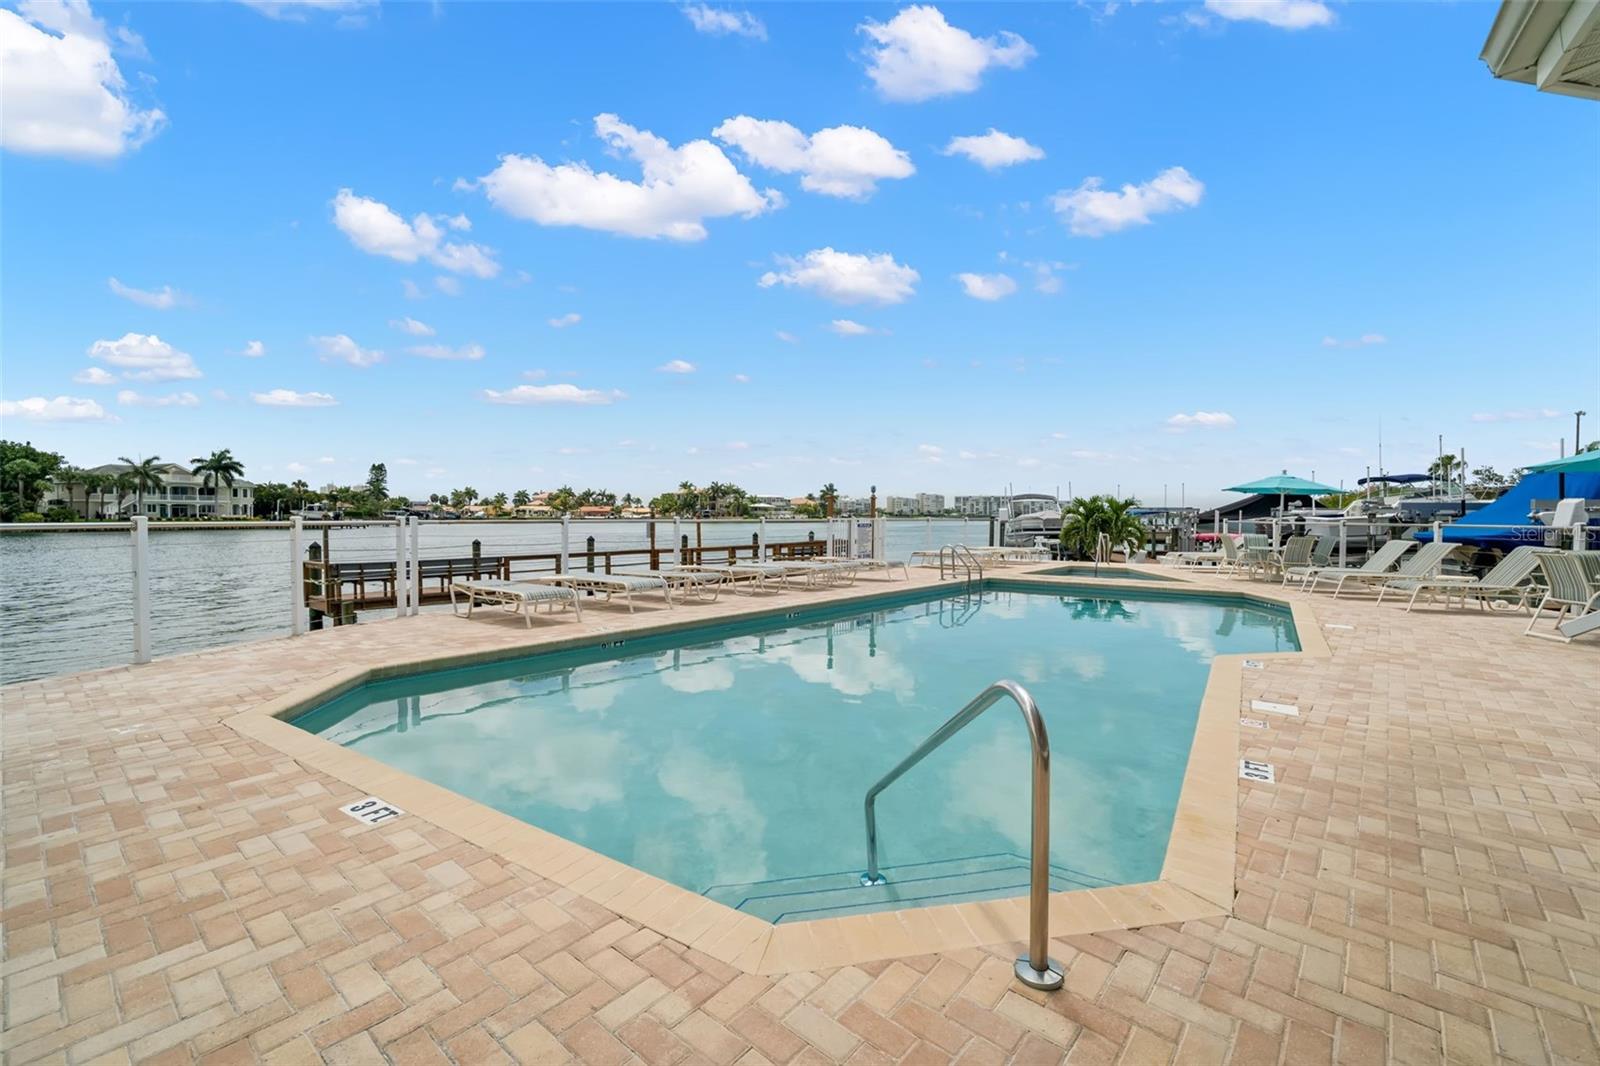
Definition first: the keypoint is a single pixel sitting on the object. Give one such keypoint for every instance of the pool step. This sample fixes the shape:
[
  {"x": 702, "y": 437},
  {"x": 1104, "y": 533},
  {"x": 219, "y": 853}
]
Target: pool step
[{"x": 925, "y": 884}]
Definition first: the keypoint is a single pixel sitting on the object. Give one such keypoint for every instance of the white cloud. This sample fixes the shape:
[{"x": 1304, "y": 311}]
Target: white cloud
[
  {"x": 930, "y": 449},
  {"x": 1044, "y": 275},
  {"x": 676, "y": 366},
  {"x": 845, "y": 277},
  {"x": 1200, "y": 420},
  {"x": 917, "y": 55},
  {"x": 93, "y": 375},
  {"x": 60, "y": 409},
  {"x": 129, "y": 398},
  {"x": 1284, "y": 14},
  {"x": 846, "y": 161},
  {"x": 571, "y": 318},
  {"x": 339, "y": 348},
  {"x": 1517, "y": 416},
  {"x": 742, "y": 379},
  {"x": 162, "y": 299},
  {"x": 551, "y": 394},
  {"x": 845, "y": 327},
  {"x": 253, "y": 350},
  {"x": 447, "y": 285},
  {"x": 1362, "y": 341},
  {"x": 682, "y": 187},
  {"x": 63, "y": 93},
  {"x": 1090, "y": 211},
  {"x": 290, "y": 398},
  {"x": 786, "y": 337},
  {"x": 989, "y": 287},
  {"x": 412, "y": 290},
  {"x": 467, "y": 352},
  {"x": 720, "y": 22},
  {"x": 412, "y": 326},
  {"x": 296, "y": 10},
  {"x": 377, "y": 230},
  {"x": 459, "y": 222},
  {"x": 143, "y": 357},
  {"x": 994, "y": 149}
]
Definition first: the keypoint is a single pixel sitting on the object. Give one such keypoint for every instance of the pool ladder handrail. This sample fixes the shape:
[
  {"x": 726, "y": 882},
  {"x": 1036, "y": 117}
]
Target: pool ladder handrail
[
  {"x": 962, "y": 556},
  {"x": 1036, "y": 969}
]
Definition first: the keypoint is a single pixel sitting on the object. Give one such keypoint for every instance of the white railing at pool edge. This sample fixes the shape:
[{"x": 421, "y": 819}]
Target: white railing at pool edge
[{"x": 1035, "y": 969}]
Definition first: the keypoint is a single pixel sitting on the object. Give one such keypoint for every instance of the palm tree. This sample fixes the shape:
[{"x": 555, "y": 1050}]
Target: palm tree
[
  {"x": 144, "y": 476},
  {"x": 93, "y": 485},
  {"x": 122, "y": 483},
  {"x": 219, "y": 468},
  {"x": 1086, "y": 519},
  {"x": 300, "y": 488},
  {"x": 830, "y": 499},
  {"x": 69, "y": 478}
]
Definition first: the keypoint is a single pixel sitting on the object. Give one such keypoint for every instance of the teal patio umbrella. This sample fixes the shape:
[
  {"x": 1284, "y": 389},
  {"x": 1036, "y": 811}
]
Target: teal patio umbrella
[
  {"x": 1284, "y": 485},
  {"x": 1580, "y": 463}
]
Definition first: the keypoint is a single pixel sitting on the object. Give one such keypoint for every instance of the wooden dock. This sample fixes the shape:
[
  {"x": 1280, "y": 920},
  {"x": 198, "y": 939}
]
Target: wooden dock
[{"x": 338, "y": 591}]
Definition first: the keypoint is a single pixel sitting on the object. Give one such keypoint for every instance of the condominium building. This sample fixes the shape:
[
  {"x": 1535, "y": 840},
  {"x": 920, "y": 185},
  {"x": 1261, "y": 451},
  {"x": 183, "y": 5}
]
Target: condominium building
[
  {"x": 930, "y": 502},
  {"x": 182, "y": 494},
  {"x": 979, "y": 505}
]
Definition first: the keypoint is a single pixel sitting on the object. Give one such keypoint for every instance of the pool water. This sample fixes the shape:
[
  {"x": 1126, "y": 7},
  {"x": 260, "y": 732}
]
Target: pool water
[
  {"x": 732, "y": 760},
  {"x": 1104, "y": 573}
]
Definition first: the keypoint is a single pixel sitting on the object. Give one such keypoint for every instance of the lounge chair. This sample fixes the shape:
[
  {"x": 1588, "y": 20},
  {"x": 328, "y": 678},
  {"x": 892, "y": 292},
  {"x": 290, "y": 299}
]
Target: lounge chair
[
  {"x": 518, "y": 597},
  {"x": 1425, "y": 563},
  {"x": 1210, "y": 557},
  {"x": 1574, "y": 585},
  {"x": 886, "y": 566},
  {"x": 756, "y": 575},
  {"x": 609, "y": 585},
  {"x": 1321, "y": 557},
  {"x": 1377, "y": 563},
  {"x": 1511, "y": 579},
  {"x": 1296, "y": 555},
  {"x": 685, "y": 582}
]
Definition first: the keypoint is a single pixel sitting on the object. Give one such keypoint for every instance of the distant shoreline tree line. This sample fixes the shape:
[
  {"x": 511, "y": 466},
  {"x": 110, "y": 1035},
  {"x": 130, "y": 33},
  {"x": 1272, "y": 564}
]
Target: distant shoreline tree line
[{"x": 27, "y": 473}]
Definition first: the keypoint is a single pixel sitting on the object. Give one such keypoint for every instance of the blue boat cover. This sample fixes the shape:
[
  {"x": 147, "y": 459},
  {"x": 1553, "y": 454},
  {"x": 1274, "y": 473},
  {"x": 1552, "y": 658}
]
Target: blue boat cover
[{"x": 1505, "y": 523}]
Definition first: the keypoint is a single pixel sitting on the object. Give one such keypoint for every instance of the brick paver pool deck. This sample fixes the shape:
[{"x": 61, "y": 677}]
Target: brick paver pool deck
[{"x": 1419, "y": 885}]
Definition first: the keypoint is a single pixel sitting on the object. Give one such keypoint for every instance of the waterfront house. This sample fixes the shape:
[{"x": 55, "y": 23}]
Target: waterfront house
[{"x": 182, "y": 494}]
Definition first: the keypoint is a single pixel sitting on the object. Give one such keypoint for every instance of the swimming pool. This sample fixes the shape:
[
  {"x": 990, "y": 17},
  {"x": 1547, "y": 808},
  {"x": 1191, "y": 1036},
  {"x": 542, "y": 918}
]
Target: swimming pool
[
  {"x": 1104, "y": 573},
  {"x": 732, "y": 759}
]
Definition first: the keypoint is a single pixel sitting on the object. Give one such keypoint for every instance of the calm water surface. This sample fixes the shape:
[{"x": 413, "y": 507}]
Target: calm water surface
[
  {"x": 68, "y": 604},
  {"x": 739, "y": 755}
]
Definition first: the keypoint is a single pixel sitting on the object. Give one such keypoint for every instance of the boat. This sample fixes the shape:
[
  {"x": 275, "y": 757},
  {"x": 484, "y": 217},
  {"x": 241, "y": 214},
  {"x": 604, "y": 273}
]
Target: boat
[{"x": 1029, "y": 518}]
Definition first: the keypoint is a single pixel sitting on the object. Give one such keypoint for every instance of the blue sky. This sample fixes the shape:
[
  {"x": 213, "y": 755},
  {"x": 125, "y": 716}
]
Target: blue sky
[{"x": 1307, "y": 218}]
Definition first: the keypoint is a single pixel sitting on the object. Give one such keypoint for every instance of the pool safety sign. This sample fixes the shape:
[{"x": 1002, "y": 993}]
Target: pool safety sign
[
  {"x": 372, "y": 811},
  {"x": 866, "y": 539}
]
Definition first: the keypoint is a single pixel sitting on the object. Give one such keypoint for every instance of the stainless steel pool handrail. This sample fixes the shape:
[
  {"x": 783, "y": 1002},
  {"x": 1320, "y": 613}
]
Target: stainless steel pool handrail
[
  {"x": 1036, "y": 969},
  {"x": 960, "y": 555}
]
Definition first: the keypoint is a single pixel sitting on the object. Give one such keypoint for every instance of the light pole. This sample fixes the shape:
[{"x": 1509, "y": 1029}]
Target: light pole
[{"x": 1577, "y": 431}]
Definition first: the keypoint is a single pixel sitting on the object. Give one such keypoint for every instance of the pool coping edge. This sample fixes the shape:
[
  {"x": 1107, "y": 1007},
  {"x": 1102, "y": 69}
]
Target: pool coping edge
[{"x": 1197, "y": 875}]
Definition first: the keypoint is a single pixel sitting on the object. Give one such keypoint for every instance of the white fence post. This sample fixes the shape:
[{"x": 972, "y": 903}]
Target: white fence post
[
  {"x": 1438, "y": 533},
  {"x": 1580, "y": 542},
  {"x": 297, "y": 582},
  {"x": 566, "y": 539},
  {"x": 762, "y": 547},
  {"x": 1344, "y": 536},
  {"x": 141, "y": 589},
  {"x": 416, "y": 565},
  {"x": 401, "y": 586}
]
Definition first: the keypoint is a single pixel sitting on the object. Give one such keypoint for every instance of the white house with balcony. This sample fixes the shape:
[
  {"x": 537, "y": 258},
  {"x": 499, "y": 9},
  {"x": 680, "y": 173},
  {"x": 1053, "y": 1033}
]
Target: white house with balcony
[{"x": 182, "y": 494}]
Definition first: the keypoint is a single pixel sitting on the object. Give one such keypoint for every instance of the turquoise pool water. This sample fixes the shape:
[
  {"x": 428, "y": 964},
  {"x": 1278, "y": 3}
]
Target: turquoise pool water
[
  {"x": 732, "y": 760},
  {"x": 1119, "y": 573}
]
